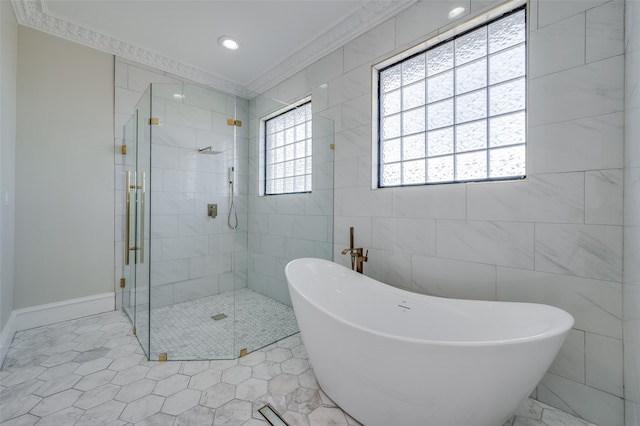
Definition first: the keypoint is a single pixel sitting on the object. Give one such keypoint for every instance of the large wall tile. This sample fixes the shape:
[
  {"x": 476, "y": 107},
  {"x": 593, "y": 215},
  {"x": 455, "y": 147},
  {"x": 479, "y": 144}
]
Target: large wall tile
[
  {"x": 583, "y": 401},
  {"x": 362, "y": 226},
  {"x": 592, "y": 251},
  {"x": 391, "y": 267},
  {"x": 164, "y": 226},
  {"x": 453, "y": 278},
  {"x": 416, "y": 236},
  {"x": 125, "y": 101},
  {"x": 357, "y": 112},
  {"x": 604, "y": 363},
  {"x": 632, "y": 372},
  {"x": 432, "y": 202},
  {"x": 294, "y": 88},
  {"x": 370, "y": 45},
  {"x": 583, "y": 144},
  {"x": 586, "y": 91},
  {"x": 185, "y": 247},
  {"x": 595, "y": 305},
  {"x": 139, "y": 78},
  {"x": 605, "y": 31},
  {"x": 169, "y": 271},
  {"x": 558, "y": 46},
  {"x": 204, "y": 98},
  {"x": 346, "y": 172},
  {"x": 603, "y": 197},
  {"x": 210, "y": 265},
  {"x": 321, "y": 203},
  {"x": 570, "y": 361},
  {"x": 188, "y": 116},
  {"x": 195, "y": 289},
  {"x": 496, "y": 243},
  {"x": 631, "y": 27},
  {"x": 631, "y": 413},
  {"x": 161, "y": 295},
  {"x": 309, "y": 227},
  {"x": 557, "y": 198},
  {"x": 173, "y": 203},
  {"x": 550, "y": 11},
  {"x": 324, "y": 70},
  {"x": 295, "y": 248},
  {"x": 350, "y": 85},
  {"x": 353, "y": 143},
  {"x": 356, "y": 202},
  {"x": 632, "y": 196}
]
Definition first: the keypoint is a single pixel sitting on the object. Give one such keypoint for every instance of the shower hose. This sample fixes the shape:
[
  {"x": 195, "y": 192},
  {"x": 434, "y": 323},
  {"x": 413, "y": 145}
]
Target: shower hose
[{"x": 232, "y": 221}]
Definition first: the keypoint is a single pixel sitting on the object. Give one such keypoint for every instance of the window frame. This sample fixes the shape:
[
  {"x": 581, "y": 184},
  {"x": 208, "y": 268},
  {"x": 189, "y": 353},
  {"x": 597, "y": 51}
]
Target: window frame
[
  {"x": 263, "y": 166},
  {"x": 447, "y": 34}
]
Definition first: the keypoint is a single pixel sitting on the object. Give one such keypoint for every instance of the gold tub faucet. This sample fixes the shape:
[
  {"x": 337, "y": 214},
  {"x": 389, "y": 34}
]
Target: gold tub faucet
[{"x": 357, "y": 257}]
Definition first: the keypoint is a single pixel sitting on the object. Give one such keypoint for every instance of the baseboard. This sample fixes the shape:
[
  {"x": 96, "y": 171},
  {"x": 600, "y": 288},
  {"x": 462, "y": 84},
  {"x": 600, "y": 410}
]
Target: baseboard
[
  {"x": 51, "y": 313},
  {"x": 6, "y": 336}
]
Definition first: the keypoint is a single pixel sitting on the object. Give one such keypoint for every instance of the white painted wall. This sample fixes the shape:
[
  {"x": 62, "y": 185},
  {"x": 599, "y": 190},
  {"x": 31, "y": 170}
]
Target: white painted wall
[
  {"x": 64, "y": 171},
  {"x": 554, "y": 238},
  {"x": 631, "y": 284},
  {"x": 8, "y": 70}
]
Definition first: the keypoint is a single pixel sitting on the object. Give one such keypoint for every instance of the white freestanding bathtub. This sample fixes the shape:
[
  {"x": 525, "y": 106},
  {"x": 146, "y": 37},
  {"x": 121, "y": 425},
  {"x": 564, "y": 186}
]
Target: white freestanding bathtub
[{"x": 391, "y": 357}]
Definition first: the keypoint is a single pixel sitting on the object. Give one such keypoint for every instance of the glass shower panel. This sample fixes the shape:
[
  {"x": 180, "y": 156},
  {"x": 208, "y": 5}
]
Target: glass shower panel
[
  {"x": 193, "y": 247},
  {"x": 128, "y": 272},
  {"x": 208, "y": 251},
  {"x": 139, "y": 248},
  {"x": 282, "y": 228}
]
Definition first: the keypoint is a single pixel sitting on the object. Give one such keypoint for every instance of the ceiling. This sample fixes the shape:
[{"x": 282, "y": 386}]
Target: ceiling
[{"x": 277, "y": 37}]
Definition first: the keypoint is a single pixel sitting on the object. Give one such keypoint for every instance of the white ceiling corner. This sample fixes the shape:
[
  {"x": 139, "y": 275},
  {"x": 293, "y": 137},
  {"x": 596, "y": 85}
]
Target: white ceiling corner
[{"x": 340, "y": 22}]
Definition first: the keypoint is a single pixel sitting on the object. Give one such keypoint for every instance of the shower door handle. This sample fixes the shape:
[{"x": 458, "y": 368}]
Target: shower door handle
[
  {"x": 127, "y": 238},
  {"x": 142, "y": 208},
  {"x": 127, "y": 221}
]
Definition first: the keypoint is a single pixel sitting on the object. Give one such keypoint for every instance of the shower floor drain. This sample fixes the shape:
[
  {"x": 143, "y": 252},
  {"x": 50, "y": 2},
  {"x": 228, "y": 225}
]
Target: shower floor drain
[
  {"x": 219, "y": 317},
  {"x": 272, "y": 416}
]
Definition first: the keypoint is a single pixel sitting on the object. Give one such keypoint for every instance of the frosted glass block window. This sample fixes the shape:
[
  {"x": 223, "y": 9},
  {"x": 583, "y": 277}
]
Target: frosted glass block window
[
  {"x": 456, "y": 112},
  {"x": 288, "y": 151}
]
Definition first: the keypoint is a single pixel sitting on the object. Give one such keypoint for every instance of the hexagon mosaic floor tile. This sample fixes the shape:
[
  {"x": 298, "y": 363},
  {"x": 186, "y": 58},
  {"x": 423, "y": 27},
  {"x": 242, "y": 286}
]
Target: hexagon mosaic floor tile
[{"x": 92, "y": 371}]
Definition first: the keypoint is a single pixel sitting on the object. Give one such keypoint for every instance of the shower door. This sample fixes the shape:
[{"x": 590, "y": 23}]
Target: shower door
[
  {"x": 128, "y": 274},
  {"x": 135, "y": 295}
]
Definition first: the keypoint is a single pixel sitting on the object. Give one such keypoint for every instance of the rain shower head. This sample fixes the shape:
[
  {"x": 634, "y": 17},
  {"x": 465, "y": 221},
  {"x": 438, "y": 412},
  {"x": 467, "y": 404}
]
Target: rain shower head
[{"x": 208, "y": 150}]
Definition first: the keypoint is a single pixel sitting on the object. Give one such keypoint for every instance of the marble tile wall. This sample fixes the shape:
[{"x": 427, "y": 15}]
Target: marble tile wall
[
  {"x": 555, "y": 238},
  {"x": 288, "y": 226},
  {"x": 192, "y": 255},
  {"x": 631, "y": 276}
]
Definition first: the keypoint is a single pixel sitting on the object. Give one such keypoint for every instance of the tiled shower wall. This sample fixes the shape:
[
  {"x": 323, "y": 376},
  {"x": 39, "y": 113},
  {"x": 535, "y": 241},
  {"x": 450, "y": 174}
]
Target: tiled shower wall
[
  {"x": 554, "y": 238},
  {"x": 631, "y": 287},
  {"x": 288, "y": 226},
  {"x": 192, "y": 255}
]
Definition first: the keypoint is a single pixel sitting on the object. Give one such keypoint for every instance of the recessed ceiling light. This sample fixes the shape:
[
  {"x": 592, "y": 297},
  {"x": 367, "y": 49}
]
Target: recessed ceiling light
[
  {"x": 228, "y": 42},
  {"x": 178, "y": 96},
  {"x": 454, "y": 13}
]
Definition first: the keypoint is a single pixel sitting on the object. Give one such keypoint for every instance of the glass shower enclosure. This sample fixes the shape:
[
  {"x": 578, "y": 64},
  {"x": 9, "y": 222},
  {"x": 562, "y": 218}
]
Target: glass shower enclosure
[{"x": 197, "y": 235}]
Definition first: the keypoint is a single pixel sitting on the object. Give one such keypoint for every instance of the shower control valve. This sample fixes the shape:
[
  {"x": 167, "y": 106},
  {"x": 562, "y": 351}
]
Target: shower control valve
[{"x": 212, "y": 210}]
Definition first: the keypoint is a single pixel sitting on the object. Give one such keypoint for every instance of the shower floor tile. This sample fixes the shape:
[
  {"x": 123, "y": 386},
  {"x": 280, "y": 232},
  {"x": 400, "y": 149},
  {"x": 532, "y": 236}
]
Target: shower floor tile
[
  {"x": 35, "y": 389},
  {"x": 187, "y": 331}
]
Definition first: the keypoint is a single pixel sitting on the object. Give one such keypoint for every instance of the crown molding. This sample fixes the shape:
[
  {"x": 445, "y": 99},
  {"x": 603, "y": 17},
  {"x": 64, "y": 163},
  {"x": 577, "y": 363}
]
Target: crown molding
[
  {"x": 31, "y": 13},
  {"x": 35, "y": 14},
  {"x": 368, "y": 16}
]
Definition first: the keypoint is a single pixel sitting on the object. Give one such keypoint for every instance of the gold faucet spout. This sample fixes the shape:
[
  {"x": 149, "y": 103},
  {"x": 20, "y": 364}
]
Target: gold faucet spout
[{"x": 357, "y": 256}]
